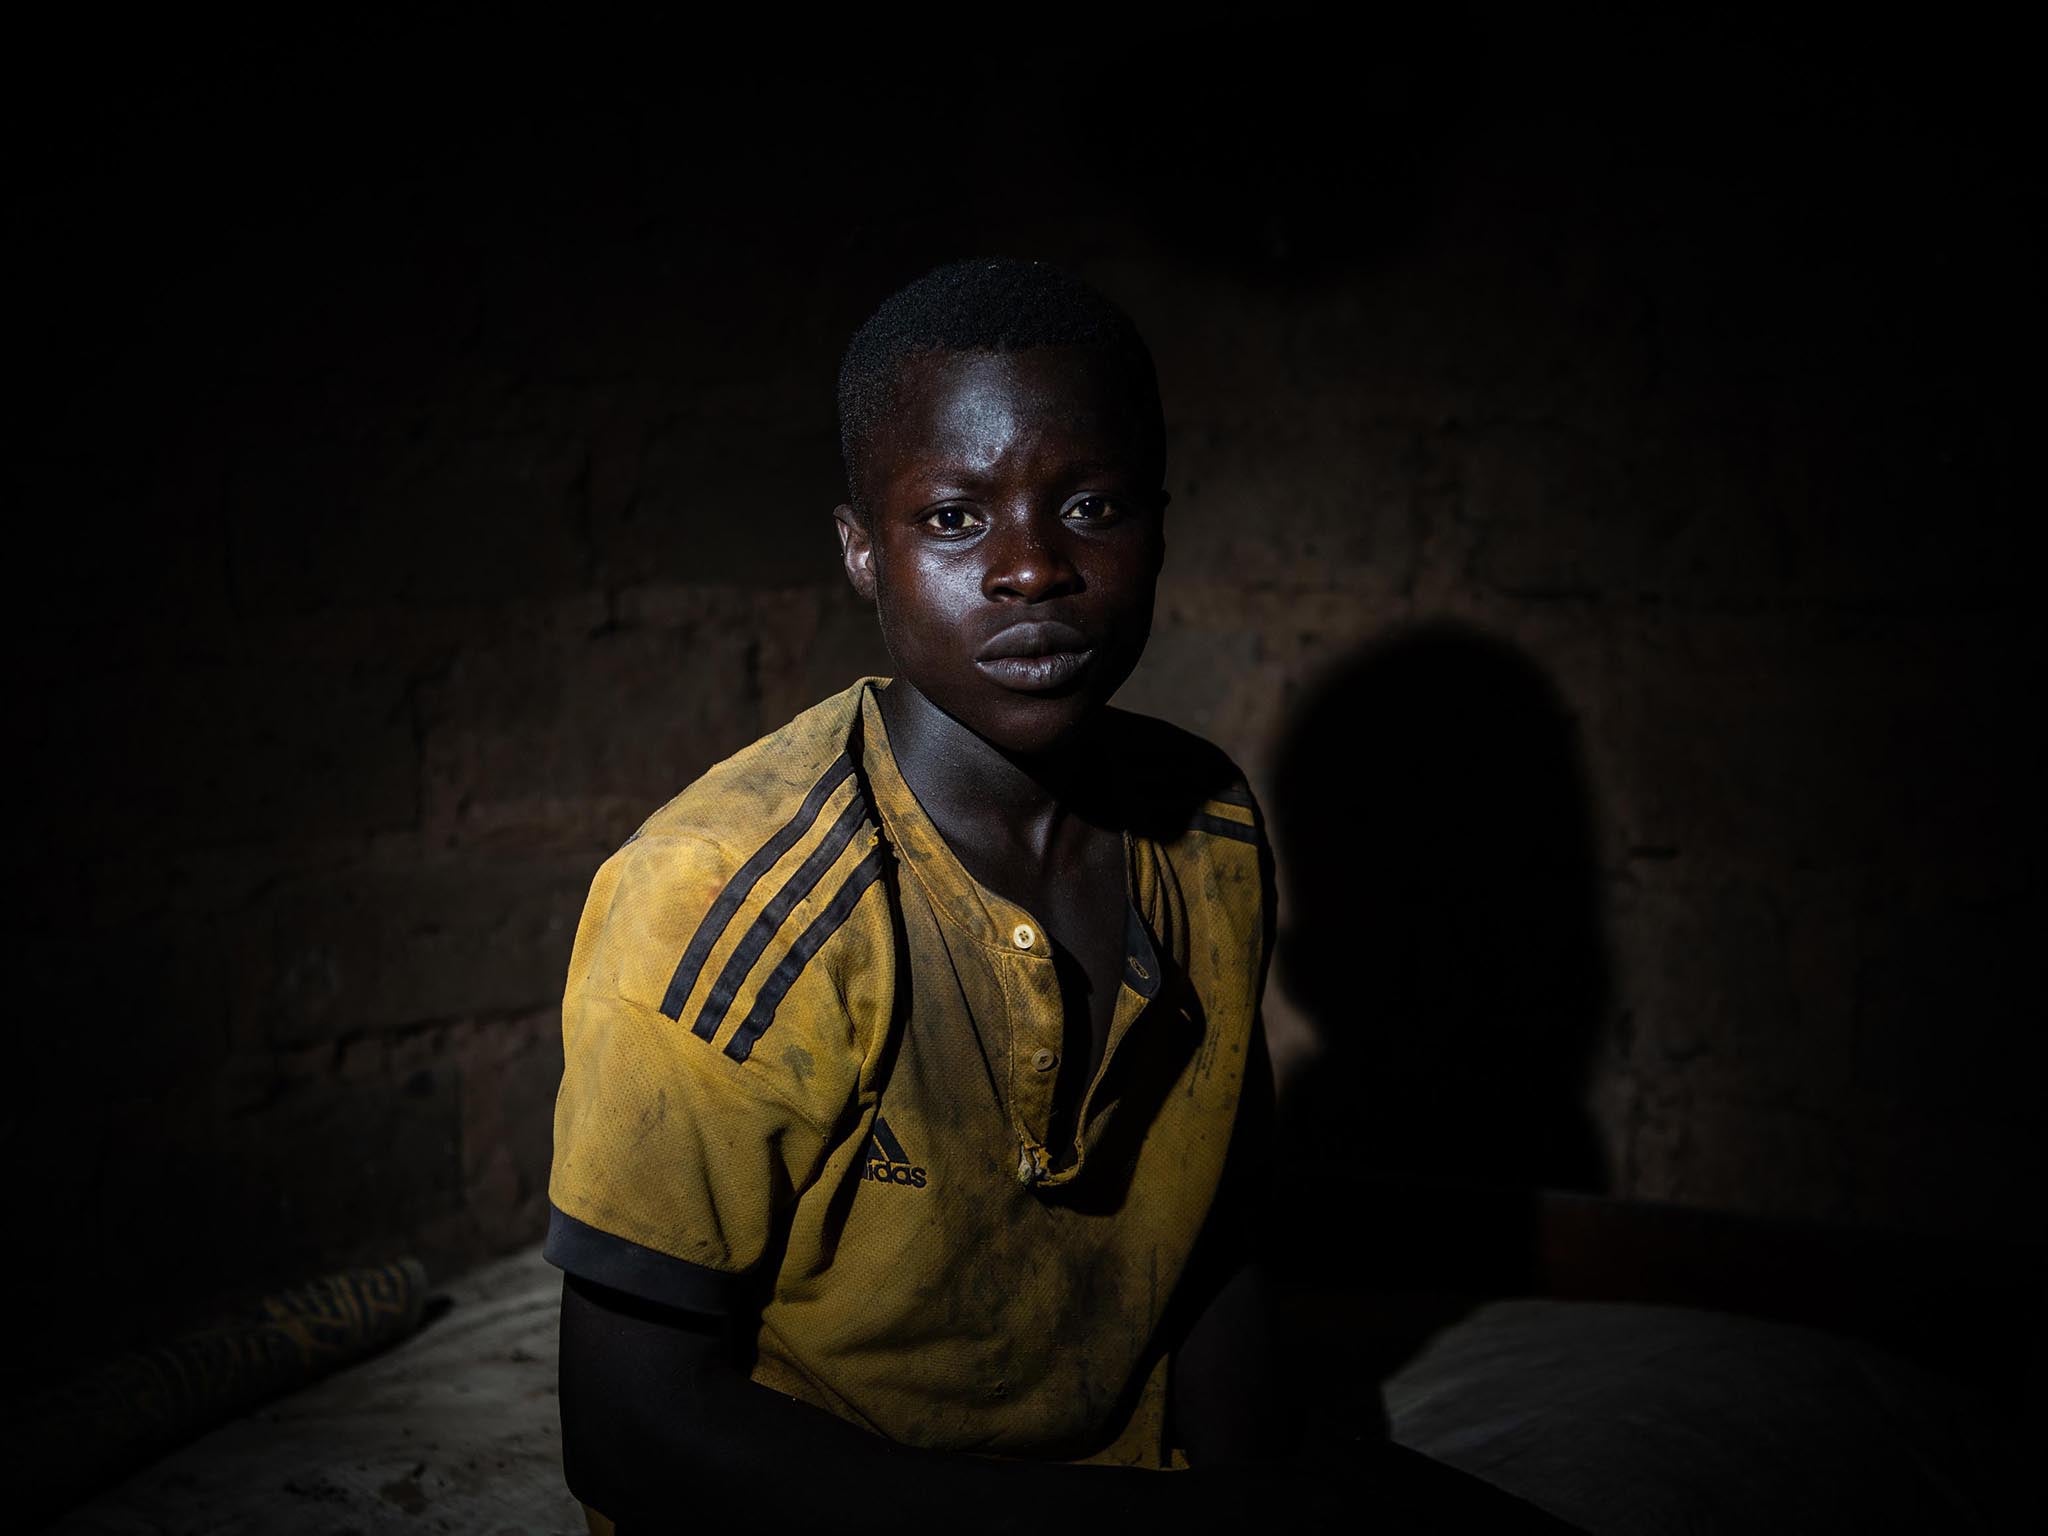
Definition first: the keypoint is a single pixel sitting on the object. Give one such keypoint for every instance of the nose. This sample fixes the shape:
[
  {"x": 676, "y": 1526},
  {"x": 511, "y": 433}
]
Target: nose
[{"x": 1028, "y": 561}]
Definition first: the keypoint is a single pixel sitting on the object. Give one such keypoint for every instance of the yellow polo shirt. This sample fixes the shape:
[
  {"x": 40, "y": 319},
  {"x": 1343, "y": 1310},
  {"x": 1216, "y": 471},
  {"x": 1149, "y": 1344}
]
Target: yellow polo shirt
[{"x": 810, "y": 1070}]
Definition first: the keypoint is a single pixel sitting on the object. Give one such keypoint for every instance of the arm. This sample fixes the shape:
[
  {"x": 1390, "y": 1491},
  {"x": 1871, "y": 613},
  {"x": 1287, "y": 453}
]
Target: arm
[
  {"x": 661, "y": 1428},
  {"x": 1229, "y": 1401},
  {"x": 663, "y": 1432}
]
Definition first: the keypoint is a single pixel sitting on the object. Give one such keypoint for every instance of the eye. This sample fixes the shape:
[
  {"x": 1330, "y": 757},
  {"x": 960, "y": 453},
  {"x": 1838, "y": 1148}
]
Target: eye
[
  {"x": 1093, "y": 509},
  {"x": 951, "y": 522}
]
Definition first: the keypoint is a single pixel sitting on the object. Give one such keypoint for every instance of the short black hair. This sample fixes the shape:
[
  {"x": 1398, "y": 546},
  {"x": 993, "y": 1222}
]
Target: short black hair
[{"x": 998, "y": 304}]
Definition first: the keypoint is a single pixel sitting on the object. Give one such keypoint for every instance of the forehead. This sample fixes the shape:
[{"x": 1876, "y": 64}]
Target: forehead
[{"x": 975, "y": 411}]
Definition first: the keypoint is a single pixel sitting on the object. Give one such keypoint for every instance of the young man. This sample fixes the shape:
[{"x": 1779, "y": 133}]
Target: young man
[{"x": 915, "y": 1089}]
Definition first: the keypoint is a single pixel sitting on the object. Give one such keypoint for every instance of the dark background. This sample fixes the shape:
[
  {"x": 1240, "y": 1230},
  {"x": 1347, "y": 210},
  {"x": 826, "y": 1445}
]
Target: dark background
[{"x": 1597, "y": 527}]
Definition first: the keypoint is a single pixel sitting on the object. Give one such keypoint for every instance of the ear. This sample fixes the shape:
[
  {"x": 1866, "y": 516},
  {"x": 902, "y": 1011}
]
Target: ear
[{"x": 855, "y": 550}]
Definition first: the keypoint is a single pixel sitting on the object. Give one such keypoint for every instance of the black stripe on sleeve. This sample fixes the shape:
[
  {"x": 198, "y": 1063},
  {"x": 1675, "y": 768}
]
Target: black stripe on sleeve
[
  {"x": 598, "y": 1256},
  {"x": 823, "y": 926},
  {"x": 794, "y": 890},
  {"x": 1241, "y": 795},
  {"x": 1217, "y": 826},
  {"x": 743, "y": 882},
  {"x": 1238, "y": 795}
]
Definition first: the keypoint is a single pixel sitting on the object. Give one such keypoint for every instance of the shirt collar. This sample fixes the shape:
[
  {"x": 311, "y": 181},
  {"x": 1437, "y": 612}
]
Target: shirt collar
[{"x": 986, "y": 916}]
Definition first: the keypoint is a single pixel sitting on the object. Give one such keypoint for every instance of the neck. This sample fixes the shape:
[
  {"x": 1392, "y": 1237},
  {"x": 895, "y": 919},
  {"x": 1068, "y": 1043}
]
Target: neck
[{"x": 974, "y": 792}]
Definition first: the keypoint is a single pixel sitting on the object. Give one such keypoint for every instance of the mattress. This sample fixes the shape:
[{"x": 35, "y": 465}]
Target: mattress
[{"x": 1616, "y": 1418}]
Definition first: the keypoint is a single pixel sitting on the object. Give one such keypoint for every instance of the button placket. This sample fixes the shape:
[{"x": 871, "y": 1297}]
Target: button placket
[
  {"x": 1143, "y": 982},
  {"x": 1036, "y": 1033}
]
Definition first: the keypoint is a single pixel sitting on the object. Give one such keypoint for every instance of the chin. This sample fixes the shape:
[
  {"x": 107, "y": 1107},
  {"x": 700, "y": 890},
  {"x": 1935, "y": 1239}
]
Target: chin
[{"x": 1031, "y": 725}]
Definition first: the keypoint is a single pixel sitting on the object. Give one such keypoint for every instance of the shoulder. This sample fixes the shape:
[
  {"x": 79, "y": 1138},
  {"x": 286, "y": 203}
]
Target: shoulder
[
  {"x": 1176, "y": 784},
  {"x": 1190, "y": 798},
  {"x": 714, "y": 907},
  {"x": 755, "y": 793}
]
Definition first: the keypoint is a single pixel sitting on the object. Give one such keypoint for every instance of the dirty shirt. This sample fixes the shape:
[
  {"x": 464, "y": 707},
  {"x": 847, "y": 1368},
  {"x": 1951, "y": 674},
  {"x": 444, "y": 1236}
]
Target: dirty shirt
[{"x": 810, "y": 1074}]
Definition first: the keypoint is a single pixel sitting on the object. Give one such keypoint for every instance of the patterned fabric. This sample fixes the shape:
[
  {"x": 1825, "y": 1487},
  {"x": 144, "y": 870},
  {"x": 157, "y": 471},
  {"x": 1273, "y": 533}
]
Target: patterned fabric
[
  {"x": 811, "y": 1067},
  {"x": 140, "y": 1404}
]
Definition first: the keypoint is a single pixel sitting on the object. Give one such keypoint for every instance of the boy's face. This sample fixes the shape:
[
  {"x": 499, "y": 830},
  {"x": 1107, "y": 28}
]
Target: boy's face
[{"x": 1012, "y": 538}]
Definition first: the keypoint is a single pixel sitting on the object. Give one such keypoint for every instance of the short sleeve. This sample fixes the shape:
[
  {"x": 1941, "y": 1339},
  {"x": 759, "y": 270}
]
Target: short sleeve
[
  {"x": 1235, "y": 1232},
  {"x": 675, "y": 1158}
]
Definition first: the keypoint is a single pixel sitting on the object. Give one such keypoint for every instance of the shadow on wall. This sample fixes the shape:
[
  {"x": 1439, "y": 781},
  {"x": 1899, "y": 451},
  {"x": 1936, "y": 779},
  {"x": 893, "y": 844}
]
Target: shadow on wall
[{"x": 1434, "y": 831}]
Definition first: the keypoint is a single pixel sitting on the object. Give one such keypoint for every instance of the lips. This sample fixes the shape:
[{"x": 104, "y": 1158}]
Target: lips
[
  {"x": 1035, "y": 656},
  {"x": 1033, "y": 637}
]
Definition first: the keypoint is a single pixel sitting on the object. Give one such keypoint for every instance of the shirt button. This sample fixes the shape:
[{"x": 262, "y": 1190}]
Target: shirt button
[
  {"x": 1044, "y": 1061},
  {"x": 1023, "y": 936}
]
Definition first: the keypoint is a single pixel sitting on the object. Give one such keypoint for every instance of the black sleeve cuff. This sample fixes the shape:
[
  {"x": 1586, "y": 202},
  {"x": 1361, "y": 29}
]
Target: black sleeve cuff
[{"x": 597, "y": 1256}]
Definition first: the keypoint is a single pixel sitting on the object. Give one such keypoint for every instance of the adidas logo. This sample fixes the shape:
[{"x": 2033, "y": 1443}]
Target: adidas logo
[{"x": 886, "y": 1162}]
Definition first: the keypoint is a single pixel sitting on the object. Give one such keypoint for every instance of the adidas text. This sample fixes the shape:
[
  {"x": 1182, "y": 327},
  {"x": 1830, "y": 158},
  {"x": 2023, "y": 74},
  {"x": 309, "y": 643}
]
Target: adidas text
[{"x": 893, "y": 1173}]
